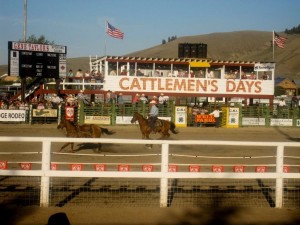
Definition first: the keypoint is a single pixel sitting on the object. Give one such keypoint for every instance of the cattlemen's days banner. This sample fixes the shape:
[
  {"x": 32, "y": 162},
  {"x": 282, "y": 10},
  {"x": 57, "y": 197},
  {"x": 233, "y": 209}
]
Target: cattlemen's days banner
[{"x": 190, "y": 85}]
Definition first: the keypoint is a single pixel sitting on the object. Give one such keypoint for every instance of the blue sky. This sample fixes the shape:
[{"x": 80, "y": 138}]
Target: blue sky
[{"x": 80, "y": 24}]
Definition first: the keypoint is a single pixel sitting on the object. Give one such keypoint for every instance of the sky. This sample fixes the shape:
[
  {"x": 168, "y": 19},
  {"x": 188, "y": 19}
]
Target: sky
[{"x": 81, "y": 24}]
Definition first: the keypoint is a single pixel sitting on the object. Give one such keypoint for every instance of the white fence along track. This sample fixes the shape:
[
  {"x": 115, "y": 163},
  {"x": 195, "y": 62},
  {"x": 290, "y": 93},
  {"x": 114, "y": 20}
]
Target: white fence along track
[{"x": 164, "y": 174}]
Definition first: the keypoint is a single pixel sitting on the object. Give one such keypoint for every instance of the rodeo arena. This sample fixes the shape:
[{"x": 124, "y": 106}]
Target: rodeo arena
[{"x": 103, "y": 153}]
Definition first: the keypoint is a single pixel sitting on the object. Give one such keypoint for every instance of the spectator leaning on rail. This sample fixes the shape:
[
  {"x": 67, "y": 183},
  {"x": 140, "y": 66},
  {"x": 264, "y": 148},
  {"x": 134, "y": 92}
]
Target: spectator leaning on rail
[
  {"x": 82, "y": 97},
  {"x": 153, "y": 115}
]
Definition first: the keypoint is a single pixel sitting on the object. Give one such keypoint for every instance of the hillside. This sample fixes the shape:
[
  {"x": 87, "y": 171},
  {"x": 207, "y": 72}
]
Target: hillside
[{"x": 239, "y": 45}]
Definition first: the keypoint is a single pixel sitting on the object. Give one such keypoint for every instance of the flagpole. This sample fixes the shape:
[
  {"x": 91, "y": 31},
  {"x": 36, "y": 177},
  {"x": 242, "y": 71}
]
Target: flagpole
[
  {"x": 105, "y": 37},
  {"x": 273, "y": 43}
]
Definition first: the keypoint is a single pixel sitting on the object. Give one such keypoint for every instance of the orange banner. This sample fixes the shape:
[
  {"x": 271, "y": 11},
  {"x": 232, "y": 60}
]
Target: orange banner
[{"x": 205, "y": 119}]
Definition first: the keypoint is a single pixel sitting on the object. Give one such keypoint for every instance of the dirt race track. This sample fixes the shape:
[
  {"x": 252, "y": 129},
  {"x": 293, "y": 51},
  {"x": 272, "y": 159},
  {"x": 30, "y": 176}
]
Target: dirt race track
[{"x": 12, "y": 214}]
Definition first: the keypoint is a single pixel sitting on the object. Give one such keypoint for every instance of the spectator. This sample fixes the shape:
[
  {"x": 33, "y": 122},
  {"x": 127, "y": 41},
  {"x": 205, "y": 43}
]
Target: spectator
[
  {"x": 56, "y": 100},
  {"x": 120, "y": 99},
  {"x": 161, "y": 99},
  {"x": 216, "y": 114},
  {"x": 143, "y": 98},
  {"x": 82, "y": 97},
  {"x": 70, "y": 76},
  {"x": 136, "y": 99}
]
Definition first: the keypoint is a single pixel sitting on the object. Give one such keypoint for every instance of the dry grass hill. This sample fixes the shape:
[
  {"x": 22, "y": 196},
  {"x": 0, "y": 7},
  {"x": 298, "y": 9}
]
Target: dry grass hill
[{"x": 239, "y": 45}]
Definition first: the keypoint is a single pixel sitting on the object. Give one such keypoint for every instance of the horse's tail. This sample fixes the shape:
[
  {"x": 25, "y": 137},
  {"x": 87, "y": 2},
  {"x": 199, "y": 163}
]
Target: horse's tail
[
  {"x": 172, "y": 128},
  {"x": 106, "y": 131}
]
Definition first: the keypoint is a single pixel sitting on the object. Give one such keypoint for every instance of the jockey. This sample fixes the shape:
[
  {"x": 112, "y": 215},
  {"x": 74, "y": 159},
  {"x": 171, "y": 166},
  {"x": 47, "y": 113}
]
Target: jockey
[{"x": 153, "y": 115}]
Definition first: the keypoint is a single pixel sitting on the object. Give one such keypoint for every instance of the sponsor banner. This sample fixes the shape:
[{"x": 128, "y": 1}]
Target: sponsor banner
[
  {"x": 38, "y": 47},
  {"x": 25, "y": 166},
  {"x": 264, "y": 66},
  {"x": 233, "y": 117},
  {"x": 148, "y": 168},
  {"x": 286, "y": 169},
  {"x": 181, "y": 116},
  {"x": 123, "y": 119},
  {"x": 12, "y": 115},
  {"x": 238, "y": 169},
  {"x": 173, "y": 168},
  {"x": 254, "y": 121},
  {"x": 124, "y": 168},
  {"x": 76, "y": 167},
  {"x": 189, "y": 85},
  {"x": 3, "y": 165},
  {"x": 261, "y": 169},
  {"x": 298, "y": 122},
  {"x": 281, "y": 122},
  {"x": 100, "y": 167},
  {"x": 194, "y": 168},
  {"x": 205, "y": 119},
  {"x": 97, "y": 120},
  {"x": 217, "y": 169},
  {"x": 44, "y": 113},
  {"x": 53, "y": 166}
]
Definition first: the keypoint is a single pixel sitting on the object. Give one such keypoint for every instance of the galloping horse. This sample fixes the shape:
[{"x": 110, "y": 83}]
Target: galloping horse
[
  {"x": 161, "y": 126},
  {"x": 82, "y": 131}
]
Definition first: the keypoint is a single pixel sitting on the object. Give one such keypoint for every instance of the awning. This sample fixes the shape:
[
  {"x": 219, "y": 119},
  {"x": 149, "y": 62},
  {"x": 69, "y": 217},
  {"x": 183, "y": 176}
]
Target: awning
[{"x": 199, "y": 64}]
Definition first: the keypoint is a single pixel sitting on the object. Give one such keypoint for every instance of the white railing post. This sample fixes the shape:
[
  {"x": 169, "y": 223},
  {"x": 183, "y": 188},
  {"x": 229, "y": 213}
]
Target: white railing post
[
  {"x": 279, "y": 179},
  {"x": 164, "y": 179},
  {"x": 45, "y": 180}
]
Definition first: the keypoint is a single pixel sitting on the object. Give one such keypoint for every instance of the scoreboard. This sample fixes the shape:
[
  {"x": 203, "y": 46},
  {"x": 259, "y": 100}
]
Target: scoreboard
[{"x": 36, "y": 60}]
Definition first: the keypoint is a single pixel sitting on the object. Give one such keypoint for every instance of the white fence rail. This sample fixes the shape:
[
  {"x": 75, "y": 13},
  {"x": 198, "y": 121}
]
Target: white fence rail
[{"x": 46, "y": 173}]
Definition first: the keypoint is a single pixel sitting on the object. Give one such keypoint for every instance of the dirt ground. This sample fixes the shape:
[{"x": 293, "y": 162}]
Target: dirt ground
[{"x": 12, "y": 214}]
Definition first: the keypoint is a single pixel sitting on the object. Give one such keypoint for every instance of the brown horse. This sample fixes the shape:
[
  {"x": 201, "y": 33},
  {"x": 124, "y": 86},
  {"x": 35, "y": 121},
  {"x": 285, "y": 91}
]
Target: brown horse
[
  {"x": 82, "y": 131},
  {"x": 161, "y": 126}
]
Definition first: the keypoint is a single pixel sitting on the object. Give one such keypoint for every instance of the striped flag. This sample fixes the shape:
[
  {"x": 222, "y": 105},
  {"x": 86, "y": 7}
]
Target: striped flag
[
  {"x": 114, "y": 32},
  {"x": 279, "y": 40}
]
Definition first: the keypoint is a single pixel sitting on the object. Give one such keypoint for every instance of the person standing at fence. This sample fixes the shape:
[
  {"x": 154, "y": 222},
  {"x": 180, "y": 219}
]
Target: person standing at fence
[
  {"x": 216, "y": 113},
  {"x": 281, "y": 105},
  {"x": 143, "y": 99},
  {"x": 136, "y": 99},
  {"x": 81, "y": 97},
  {"x": 153, "y": 115}
]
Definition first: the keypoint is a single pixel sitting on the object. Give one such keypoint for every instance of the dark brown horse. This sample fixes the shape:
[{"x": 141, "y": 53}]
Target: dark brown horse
[
  {"x": 82, "y": 131},
  {"x": 161, "y": 126}
]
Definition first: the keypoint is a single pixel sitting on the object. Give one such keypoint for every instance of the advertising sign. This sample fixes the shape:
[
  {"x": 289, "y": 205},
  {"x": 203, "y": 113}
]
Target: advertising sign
[
  {"x": 233, "y": 117},
  {"x": 36, "y": 60},
  {"x": 44, "y": 113},
  {"x": 13, "y": 115},
  {"x": 181, "y": 116}
]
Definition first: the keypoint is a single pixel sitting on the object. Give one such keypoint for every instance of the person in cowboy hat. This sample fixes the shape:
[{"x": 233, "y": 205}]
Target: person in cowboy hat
[{"x": 153, "y": 115}]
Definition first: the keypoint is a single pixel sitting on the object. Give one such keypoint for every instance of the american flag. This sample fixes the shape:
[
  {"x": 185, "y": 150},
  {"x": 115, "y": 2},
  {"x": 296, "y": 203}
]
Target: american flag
[
  {"x": 114, "y": 32},
  {"x": 279, "y": 40}
]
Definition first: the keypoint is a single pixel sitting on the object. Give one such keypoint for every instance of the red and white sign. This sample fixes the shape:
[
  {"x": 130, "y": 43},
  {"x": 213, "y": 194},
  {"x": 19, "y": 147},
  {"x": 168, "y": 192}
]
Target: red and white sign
[
  {"x": 173, "y": 168},
  {"x": 217, "y": 169},
  {"x": 25, "y": 166},
  {"x": 53, "y": 166},
  {"x": 123, "y": 168},
  {"x": 260, "y": 169},
  {"x": 100, "y": 167},
  {"x": 239, "y": 169},
  {"x": 286, "y": 169},
  {"x": 3, "y": 165},
  {"x": 194, "y": 168},
  {"x": 189, "y": 85},
  {"x": 148, "y": 168},
  {"x": 69, "y": 113},
  {"x": 76, "y": 167}
]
